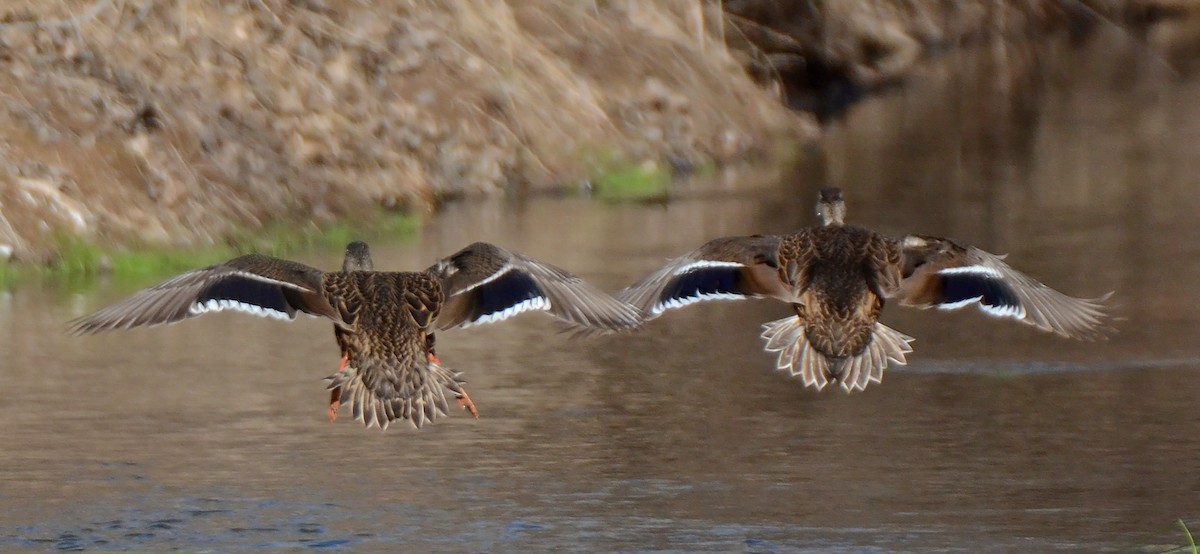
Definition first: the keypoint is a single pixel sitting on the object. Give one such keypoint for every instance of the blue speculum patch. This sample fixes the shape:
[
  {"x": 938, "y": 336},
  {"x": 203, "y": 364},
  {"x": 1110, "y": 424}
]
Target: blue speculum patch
[
  {"x": 958, "y": 287},
  {"x": 506, "y": 291},
  {"x": 704, "y": 281},
  {"x": 248, "y": 291}
]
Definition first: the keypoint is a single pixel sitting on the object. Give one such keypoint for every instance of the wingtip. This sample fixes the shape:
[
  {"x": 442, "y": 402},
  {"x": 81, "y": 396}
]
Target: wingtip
[
  {"x": 579, "y": 332},
  {"x": 626, "y": 320},
  {"x": 74, "y": 328},
  {"x": 1099, "y": 333},
  {"x": 84, "y": 326}
]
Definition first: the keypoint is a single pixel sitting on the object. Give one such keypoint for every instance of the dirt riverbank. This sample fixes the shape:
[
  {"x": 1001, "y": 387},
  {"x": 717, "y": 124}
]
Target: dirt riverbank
[{"x": 130, "y": 123}]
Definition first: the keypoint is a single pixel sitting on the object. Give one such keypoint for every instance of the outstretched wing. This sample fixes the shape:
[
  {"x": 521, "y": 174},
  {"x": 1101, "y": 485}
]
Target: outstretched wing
[
  {"x": 944, "y": 274},
  {"x": 484, "y": 283},
  {"x": 254, "y": 284},
  {"x": 729, "y": 268}
]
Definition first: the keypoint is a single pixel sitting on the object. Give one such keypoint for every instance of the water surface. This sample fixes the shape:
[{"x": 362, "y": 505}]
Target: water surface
[{"x": 211, "y": 435}]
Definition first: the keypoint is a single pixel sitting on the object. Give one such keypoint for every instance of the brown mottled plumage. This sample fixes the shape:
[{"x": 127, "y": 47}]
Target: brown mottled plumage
[
  {"x": 836, "y": 277},
  {"x": 384, "y": 322}
]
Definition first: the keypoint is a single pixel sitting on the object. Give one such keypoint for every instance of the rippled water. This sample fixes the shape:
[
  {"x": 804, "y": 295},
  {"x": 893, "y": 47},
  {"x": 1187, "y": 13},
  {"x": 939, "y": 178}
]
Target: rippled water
[{"x": 211, "y": 435}]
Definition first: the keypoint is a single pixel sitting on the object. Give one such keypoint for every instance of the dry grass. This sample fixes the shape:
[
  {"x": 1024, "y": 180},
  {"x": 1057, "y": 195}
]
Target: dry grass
[
  {"x": 165, "y": 123},
  {"x": 176, "y": 122}
]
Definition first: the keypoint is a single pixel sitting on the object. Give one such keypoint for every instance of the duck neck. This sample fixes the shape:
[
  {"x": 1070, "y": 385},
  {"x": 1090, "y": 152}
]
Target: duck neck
[{"x": 833, "y": 214}]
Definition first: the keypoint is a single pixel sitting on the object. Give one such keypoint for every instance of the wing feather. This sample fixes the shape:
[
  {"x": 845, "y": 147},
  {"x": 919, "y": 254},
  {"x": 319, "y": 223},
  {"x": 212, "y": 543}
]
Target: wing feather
[
  {"x": 485, "y": 283},
  {"x": 728, "y": 268},
  {"x": 254, "y": 284},
  {"x": 941, "y": 273}
]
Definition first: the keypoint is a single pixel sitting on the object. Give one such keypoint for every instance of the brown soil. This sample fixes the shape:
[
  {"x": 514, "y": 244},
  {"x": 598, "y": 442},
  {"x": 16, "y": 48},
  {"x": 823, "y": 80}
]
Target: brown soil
[
  {"x": 174, "y": 123},
  {"x": 168, "y": 123}
]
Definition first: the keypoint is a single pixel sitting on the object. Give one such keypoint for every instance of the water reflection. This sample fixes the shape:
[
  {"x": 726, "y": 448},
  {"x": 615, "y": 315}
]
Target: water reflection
[{"x": 210, "y": 435}]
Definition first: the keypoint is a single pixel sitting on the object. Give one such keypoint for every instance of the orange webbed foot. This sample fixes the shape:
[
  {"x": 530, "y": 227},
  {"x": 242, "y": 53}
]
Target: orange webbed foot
[
  {"x": 335, "y": 402},
  {"x": 464, "y": 400},
  {"x": 335, "y": 395}
]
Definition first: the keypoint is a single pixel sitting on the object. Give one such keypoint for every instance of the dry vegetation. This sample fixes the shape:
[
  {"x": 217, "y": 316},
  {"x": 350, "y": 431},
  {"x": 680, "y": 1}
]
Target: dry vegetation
[
  {"x": 806, "y": 45},
  {"x": 163, "y": 123}
]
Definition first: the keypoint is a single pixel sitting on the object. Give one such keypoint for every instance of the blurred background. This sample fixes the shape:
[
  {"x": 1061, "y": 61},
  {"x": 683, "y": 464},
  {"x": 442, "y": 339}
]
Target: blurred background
[
  {"x": 141, "y": 138},
  {"x": 192, "y": 124}
]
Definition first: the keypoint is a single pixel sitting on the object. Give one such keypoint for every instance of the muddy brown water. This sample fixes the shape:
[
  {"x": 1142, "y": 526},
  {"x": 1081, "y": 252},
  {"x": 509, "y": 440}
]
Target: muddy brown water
[{"x": 211, "y": 435}]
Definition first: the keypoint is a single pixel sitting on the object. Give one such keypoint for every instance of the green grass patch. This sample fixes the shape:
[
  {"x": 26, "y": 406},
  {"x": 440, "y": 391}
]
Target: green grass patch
[
  {"x": 8, "y": 274},
  {"x": 706, "y": 167},
  {"x": 616, "y": 178},
  {"x": 80, "y": 259},
  {"x": 1191, "y": 539},
  {"x": 282, "y": 240},
  {"x": 640, "y": 183},
  {"x": 1189, "y": 548},
  {"x": 80, "y": 262}
]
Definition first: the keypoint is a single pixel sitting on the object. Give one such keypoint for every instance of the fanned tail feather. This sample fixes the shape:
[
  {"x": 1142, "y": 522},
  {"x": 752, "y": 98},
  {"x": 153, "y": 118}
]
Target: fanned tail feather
[
  {"x": 796, "y": 354},
  {"x": 418, "y": 395},
  {"x": 798, "y": 357}
]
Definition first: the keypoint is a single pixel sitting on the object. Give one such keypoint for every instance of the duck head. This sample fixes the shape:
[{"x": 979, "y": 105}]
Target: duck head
[
  {"x": 358, "y": 257},
  {"x": 831, "y": 208}
]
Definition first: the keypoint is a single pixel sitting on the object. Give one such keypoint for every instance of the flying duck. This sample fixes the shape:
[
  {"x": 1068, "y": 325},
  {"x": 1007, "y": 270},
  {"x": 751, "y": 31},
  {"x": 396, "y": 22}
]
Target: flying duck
[
  {"x": 836, "y": 277},
  {"x": 384, "y": 322}
]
